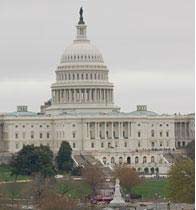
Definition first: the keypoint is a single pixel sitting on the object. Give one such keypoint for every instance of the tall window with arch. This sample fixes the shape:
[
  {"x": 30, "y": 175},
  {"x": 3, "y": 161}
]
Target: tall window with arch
[
  {"x": 136, "y": 159},
  {"x": 152, "y": 159},
  {"x": 152, "y": 133}
]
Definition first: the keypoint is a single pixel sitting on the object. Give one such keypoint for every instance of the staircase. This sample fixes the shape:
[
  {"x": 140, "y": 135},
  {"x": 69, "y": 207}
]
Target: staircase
[
  {"x": 173, "y": 157},
  {"x": 89, "y": 160}
]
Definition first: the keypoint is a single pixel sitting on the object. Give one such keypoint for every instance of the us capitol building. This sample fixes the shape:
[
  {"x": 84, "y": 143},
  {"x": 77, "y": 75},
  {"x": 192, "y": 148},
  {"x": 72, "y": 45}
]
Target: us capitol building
[{"x": 82, "y": 111}]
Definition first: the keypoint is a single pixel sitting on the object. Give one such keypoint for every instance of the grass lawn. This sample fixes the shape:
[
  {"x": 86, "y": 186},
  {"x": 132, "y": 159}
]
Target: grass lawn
[
  {"x": 149, "y": 187},
  {"x": 5, "y": 174},
  {"x": 74, "y": 189}
]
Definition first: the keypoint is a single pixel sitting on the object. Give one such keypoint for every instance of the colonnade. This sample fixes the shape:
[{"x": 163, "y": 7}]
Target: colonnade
[
  {"x": 108, "y": 130},
  {"x": 182, "y": 130},
  {"x": 91, "y": 95}
]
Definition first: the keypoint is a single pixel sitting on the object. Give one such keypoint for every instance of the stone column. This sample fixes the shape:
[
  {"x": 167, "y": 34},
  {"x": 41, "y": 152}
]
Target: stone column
[
  {"x": 129, "y": 131},
  {"x": 112, "y": 130},
  {"x": 95, "y": 96},
  {"x": 119, "y": 130},
  {"x": 97, "y": 130},
  {"x": 105, "y": 131},
  {"x": 90, "y": 95},
  {"x": 87, "y": 130},
  {"x": 69, "y": 96},
  {"x": 66, "y": 96},
  {"x": 58, "y": 94},
  {"x": 104, "y": 95}
]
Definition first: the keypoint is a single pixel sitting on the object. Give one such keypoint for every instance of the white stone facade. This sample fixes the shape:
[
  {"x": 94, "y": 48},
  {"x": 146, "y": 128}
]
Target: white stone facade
[{"x": 82, "y": 112}]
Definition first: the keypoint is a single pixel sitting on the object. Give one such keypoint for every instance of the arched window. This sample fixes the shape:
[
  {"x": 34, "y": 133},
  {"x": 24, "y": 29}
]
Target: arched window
[
  {"x": 152, "y": 170},
  {"x": 104, "y": 160},
  {"x": 152, "y": 159},
  {"x": 120, "y": 160},
  {"x": 112, "y": 160},
  {"x": 136, "y": 159},
  {"x": 152, "y": 144},
  {"x": 146, "y": 171},
  {"x": 144, "y": 159},
  {"x": 128, "y": 160},
  {"x": 102, "y": 145}
]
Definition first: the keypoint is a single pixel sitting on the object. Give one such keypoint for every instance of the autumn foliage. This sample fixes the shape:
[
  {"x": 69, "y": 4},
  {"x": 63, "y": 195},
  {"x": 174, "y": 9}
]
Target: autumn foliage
[
  {"x": 94, "y": 176},
  {"x": 128, "y": 177},
  {"x": 53, "y": 201}
]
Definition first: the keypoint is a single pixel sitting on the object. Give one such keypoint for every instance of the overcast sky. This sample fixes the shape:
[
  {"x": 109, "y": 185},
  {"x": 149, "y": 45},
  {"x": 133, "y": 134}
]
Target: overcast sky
[{"x": 148, "y": 46}]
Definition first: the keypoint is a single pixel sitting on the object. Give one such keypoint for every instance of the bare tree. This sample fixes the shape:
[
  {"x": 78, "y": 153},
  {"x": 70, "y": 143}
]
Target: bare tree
[
  {"x": 94, "y": 176},
  {"x": 51, "y": 201}
]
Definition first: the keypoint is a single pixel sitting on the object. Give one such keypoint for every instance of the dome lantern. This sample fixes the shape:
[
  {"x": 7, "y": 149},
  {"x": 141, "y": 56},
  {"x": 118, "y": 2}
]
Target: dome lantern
[{"x": 81, "y": 28}]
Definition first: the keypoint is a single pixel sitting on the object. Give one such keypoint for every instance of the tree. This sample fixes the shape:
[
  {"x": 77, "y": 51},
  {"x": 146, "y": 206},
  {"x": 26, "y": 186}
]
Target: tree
[
  {"x": 190, "y": 150},
  {"x": 63, "y": 159},
  {"x": 94, "y": 176},
  {"x": 181, "y": 181},
  {"x": 52, "y": 200},
  {"x": 31, "y": 159},
  {"x": 128, "y": 177}
]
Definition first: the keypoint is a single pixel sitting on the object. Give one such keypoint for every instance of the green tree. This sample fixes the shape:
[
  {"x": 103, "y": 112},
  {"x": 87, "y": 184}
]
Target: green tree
[
  {"x": 181, "y": 181},
  {"x": 190, "y": 150},
  {"x": 30, "y": 160},
  {"x": 63, "y": 159}
]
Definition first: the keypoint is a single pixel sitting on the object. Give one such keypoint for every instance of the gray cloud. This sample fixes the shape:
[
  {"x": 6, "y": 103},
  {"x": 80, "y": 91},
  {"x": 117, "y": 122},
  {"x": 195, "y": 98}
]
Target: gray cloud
[{"x": 147, "y": 45}]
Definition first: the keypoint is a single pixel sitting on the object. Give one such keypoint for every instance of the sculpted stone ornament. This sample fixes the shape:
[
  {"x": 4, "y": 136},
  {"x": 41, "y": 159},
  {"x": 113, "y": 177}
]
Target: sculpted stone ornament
[
  {"x": 81, "y": 21},
  {"x": 117, "y": 199}
]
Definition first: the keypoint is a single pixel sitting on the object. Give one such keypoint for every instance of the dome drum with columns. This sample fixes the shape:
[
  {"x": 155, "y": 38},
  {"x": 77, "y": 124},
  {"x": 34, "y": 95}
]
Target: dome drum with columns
[{"x": 82, "y": 78}]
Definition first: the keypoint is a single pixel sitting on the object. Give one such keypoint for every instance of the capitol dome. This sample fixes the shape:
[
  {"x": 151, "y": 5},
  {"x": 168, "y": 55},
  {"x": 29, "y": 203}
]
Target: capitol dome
[
  {"x": 81, "y": 51},
  {"x": 82, "y": 83}
]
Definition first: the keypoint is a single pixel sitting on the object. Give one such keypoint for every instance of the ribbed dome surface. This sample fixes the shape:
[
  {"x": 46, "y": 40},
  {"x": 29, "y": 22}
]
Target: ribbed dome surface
[{"x": 81, "y": 51}]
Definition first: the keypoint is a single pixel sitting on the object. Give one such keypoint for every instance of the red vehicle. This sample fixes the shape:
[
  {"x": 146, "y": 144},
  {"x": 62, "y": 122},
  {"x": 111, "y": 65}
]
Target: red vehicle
[{"x": 101, "y": 199}]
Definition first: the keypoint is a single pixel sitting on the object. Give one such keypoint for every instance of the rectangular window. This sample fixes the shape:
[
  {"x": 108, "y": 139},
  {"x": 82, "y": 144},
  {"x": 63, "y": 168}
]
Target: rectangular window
[
  {"x": 125, "y": 144},
  {"x": 139, "y": 134},
  {"x": 16, "y": 135},
  {"x": 32, "y": 135},
  {"x": 161, "y": 134},
  {"x": 74, "y": 145},
  {"x": 48, "y": 135},
  {"x": 92, "y": 145},
  {"x": 40, "y": 135}
]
